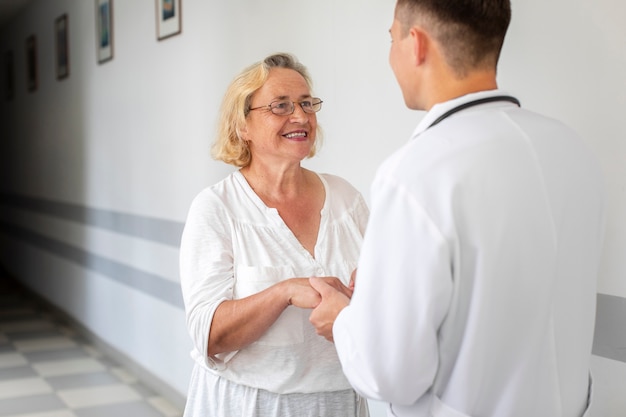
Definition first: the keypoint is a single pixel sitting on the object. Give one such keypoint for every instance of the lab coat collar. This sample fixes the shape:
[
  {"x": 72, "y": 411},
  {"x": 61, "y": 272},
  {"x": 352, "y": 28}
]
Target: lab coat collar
[{"x": 440, "y": 108}]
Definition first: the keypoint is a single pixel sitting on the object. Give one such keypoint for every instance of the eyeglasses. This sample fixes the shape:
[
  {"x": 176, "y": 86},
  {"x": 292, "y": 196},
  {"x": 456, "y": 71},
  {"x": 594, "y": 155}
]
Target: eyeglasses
[{"x": 287, "y": 107}]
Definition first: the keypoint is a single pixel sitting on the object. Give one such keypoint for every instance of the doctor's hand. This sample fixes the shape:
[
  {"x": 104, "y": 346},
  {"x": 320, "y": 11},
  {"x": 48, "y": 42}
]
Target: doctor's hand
[
  {"x": 352, "y": 280},
  {"x": 324, "y": 315},
  {"x": 337, "y": 284}
]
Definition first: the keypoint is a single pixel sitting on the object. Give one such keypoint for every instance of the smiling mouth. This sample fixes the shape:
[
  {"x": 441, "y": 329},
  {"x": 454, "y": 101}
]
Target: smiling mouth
[{"x": 296, "y": 135}]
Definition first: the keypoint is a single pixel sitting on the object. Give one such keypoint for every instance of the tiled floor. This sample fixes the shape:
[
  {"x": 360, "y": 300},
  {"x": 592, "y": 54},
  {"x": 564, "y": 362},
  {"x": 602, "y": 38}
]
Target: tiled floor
[{"x": 48, "y": 370}]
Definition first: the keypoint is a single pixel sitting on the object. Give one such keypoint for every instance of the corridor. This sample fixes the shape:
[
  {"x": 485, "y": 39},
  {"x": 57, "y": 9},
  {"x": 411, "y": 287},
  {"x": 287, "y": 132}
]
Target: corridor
[{"x": 48, "y": 369}]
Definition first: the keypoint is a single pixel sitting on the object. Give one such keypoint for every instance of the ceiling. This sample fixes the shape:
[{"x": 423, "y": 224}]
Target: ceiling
[{"x": 10, "y": 8}]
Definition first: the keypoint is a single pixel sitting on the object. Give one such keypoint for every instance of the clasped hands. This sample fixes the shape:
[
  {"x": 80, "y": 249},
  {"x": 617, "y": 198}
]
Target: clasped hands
[{"x": 327, "y": 296}]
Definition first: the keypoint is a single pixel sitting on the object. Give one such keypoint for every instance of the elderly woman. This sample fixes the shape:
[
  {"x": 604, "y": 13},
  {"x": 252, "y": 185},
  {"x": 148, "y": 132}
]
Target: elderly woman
[{"x": 249, "y": 245}]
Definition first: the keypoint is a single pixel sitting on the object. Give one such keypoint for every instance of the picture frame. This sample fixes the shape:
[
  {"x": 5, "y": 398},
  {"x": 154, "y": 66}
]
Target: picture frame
[
  {"x": 169, "y": 18},
  {"x": 32, "y": 71},
  {"x": 10, "y": 76},
  {"x": 61, "y": 29},
  {"x": 104, "y": 30}
]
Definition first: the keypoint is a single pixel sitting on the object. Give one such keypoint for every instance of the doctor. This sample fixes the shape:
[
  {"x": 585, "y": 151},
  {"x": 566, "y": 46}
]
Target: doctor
[{"x": 476, "y": 286}]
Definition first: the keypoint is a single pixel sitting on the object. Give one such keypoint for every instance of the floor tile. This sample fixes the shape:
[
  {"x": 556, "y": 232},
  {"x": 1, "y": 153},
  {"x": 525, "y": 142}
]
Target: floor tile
[
  {"x": 108, "y": 362},
  {"x": 143, "y": 390},
  {"x": 124, "y": 375},
  {"x": 27, "y": 326},
  {"x": 6, "y": 348},
  {"x": 49, "y": 368},
  {"x": 12, "y": 359},
  {"x": 60, "y": 413},
  {"x": 96, "y": 396},
  {"x": 18, "y": 372},
  {"x": 52, "y": 355},
  {"x": 33, "y": 404},
  {"x": 68, "y": 331},
  {"x": 15, "y": 312},
  {"x": 68, "y": 367},
  {"x": 33, "y": 334},
  {"x": 48, "y": 343},
  {"x": 136, "y": 409},
  {"x": 164, "y": 406},
  {"x": 82, "y": 380},
  {"x": 23, "y": 388},
  {"x": 92, "y": 351}
]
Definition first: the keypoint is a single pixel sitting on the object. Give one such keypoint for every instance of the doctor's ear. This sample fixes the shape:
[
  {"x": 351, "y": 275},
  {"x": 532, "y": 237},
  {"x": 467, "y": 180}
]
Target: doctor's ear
[{"x": 420, "y": 44}]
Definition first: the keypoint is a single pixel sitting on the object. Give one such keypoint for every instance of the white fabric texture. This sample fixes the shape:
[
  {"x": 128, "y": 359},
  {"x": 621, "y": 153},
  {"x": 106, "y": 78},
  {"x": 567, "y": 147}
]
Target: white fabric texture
[
  {"x": 476, "y": 288},
  {"x": 233, "y": 246},
  {"x": 229, "y": 399}
]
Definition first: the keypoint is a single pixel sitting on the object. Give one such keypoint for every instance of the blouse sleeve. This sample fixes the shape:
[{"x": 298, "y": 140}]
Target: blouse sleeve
[
  {"x": 361, "y": 214},
  {"x": 206, "y": 270}
]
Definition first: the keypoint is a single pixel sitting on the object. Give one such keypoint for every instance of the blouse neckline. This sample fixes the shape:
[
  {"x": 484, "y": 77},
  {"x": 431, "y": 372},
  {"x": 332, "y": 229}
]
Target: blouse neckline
[{"x": 279, "y": 220}]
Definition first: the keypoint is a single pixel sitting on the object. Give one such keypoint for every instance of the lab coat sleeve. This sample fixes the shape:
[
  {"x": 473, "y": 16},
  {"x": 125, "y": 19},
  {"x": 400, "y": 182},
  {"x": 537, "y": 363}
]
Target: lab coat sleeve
[
  {"x": 206, "y": 271},
  {"x": 387, "y": 337}
]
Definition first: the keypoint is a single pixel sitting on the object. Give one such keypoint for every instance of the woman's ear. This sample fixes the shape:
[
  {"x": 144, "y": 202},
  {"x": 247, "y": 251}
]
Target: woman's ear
[{"x": 242, "y": 132}]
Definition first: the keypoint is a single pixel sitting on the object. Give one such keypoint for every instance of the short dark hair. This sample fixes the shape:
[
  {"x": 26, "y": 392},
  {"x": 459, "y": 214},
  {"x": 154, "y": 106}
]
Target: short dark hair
[{"x": 471, "y": 32}]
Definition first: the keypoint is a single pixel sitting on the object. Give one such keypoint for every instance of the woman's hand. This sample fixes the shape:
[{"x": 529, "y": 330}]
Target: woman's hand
[
  {"x": 301, "y": 294},
  {"x": 237, "y": 323}
]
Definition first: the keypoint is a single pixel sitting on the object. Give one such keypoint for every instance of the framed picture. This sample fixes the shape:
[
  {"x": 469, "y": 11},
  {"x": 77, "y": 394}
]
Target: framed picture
[
  {"x": 62, "y": 50},
  {"x": 104, "y": 27},
  {"x": 168, "y": 16},
  {"x": 32, "y": 75},
  {"x": 10, "y": 76}
]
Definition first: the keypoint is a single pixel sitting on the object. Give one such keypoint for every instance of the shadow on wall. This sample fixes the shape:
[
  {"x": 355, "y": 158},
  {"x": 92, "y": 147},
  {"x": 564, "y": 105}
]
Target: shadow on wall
[{"x": 43, "y": 151}]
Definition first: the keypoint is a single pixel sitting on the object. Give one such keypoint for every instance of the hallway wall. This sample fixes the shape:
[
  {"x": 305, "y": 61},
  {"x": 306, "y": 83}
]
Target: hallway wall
[{"x": 98, "y": 169}]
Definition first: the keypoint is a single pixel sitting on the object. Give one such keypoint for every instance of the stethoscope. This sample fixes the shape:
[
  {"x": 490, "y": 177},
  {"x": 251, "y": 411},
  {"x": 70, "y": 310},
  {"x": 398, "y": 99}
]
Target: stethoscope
[{"x": 472, "y": 104}]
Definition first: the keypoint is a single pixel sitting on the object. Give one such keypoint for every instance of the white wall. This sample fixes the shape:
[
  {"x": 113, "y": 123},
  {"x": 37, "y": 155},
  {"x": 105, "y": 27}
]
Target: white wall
[
  {"x": 132, "y": 136},
  {"x": 567, "y": 59}
]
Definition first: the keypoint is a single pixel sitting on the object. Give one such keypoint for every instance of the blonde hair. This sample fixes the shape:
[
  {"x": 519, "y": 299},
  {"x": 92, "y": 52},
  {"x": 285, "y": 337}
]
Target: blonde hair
[{"x": 229, "y": 146}]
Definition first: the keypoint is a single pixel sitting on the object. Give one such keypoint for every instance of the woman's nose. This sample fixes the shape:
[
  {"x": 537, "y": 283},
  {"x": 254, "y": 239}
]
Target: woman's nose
[{"x": 299, "y": 114}]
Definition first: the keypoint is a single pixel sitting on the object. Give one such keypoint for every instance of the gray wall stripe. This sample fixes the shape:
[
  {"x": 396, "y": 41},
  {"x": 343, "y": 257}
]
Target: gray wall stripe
[
  {"x": 148, "y": 283},
  {"x": 163, "y": 231},
  {"x": 610, "y": 338}
]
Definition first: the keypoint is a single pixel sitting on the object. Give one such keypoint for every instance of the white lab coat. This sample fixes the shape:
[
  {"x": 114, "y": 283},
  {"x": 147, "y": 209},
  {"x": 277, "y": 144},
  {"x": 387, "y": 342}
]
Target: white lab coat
[{"x": 476, "y": 288}]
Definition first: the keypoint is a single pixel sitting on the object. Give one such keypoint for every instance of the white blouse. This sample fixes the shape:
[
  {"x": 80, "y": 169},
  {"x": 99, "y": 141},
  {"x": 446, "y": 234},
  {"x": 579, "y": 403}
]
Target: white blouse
[{"x": 233, "y": 246}]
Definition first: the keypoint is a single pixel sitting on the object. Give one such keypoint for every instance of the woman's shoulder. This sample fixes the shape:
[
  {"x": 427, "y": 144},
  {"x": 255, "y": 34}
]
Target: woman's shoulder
[
  {"x": 219, "y": 193},
  {"x": 339, "y": 184},
  {"x": 342, "y": 194}
]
